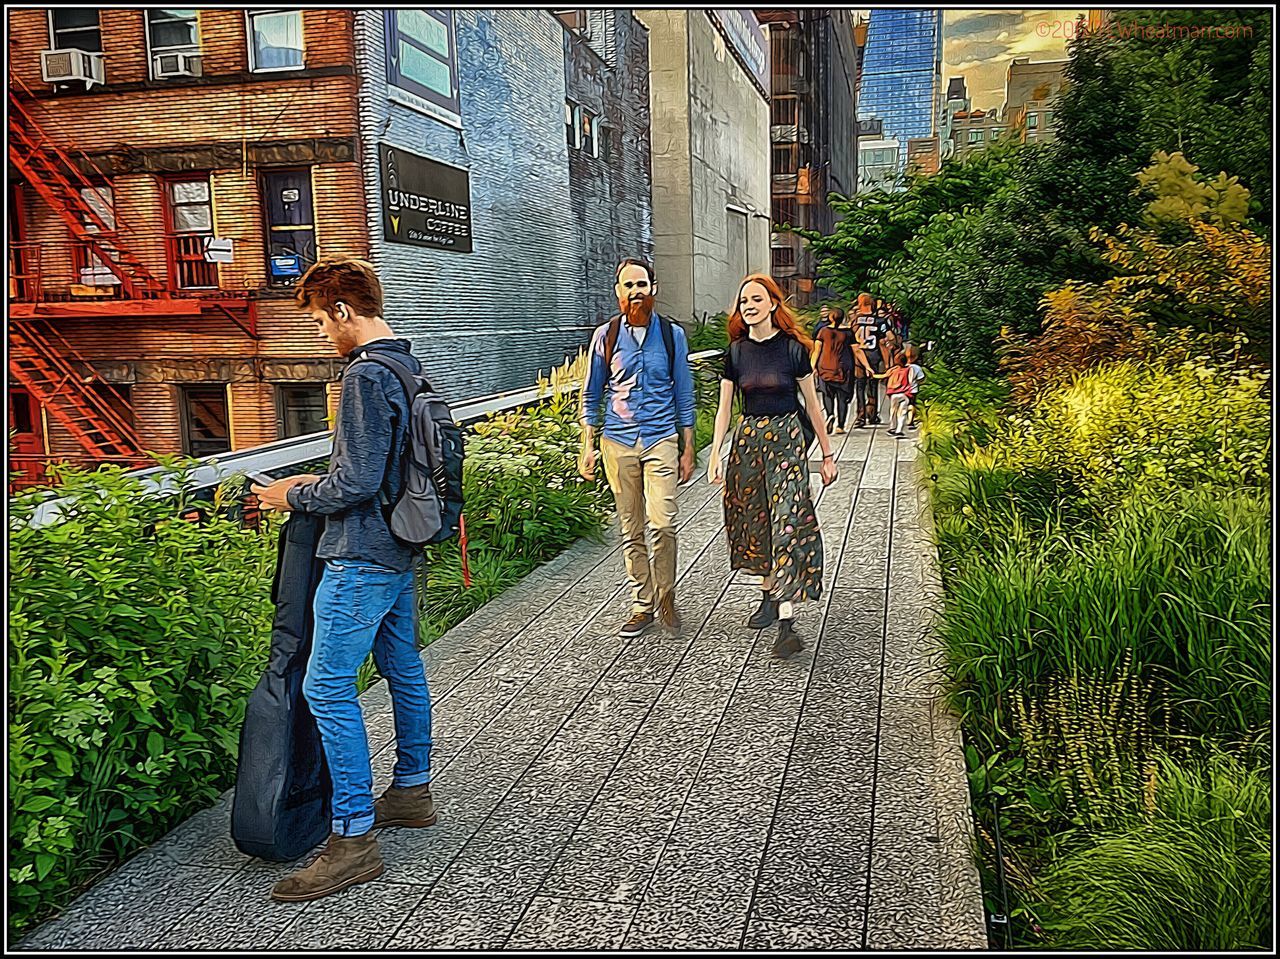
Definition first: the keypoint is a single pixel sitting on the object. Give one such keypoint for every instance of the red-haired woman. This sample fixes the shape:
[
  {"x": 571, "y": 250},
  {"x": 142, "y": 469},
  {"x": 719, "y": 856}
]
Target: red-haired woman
[{"x": 768, "y": 508}]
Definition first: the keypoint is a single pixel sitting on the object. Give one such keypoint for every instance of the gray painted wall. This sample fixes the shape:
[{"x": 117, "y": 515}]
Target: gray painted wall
[
  {"x": 489, "y": 320},
  {"x": 611, "y": 195}
]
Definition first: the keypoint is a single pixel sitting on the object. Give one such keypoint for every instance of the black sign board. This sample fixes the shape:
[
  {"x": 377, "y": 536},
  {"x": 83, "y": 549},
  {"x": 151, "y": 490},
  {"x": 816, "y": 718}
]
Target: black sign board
[{"x": 424, "y": 203}]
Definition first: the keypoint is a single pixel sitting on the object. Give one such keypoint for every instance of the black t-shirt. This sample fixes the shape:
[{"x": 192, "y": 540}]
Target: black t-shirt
[{"x": 767, "y": 373}]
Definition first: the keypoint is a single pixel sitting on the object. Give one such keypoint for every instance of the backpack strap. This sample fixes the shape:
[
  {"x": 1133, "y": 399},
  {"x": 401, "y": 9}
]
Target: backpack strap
[
  {"x": 405, "y": 376},
  {"x": 611, "y": 343},
  {"x": 669, "y": 341}
]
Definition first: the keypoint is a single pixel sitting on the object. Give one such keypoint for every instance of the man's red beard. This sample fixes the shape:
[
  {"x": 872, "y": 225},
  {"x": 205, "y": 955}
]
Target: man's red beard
[{"x": 637, "y": 312}]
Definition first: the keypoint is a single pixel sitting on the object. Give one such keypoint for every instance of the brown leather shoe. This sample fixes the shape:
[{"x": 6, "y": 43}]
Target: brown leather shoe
[
  {"x": 636, "y": 625},
  {"x": 346, "y": 861},
  {"x": 410, "y": 806},
  {"x": 667, "y": 614}
]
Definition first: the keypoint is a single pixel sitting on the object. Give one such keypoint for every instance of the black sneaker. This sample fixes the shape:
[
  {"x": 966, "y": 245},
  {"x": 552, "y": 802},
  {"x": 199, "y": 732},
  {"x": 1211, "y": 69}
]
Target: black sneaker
[
  {"x": 766, "y": 615},
  {"x": 788, "y": 643},
  {"x": 636, "y": 625}
]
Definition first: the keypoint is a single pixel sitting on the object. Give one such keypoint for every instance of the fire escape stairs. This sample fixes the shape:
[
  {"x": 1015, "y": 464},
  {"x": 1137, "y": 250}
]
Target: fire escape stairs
[
  {"x": 40, "y": 361},
  {"x": 60, "y": 182}
]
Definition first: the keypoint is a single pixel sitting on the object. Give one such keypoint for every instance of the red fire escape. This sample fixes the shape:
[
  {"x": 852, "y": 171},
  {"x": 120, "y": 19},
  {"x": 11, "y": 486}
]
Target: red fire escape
[{"x": 40, "y": 360}]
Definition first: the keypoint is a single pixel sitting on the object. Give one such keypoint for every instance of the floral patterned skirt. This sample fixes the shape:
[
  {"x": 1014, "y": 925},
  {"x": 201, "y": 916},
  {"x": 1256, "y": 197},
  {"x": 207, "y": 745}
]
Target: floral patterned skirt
[{"x": 768, "y": 508}]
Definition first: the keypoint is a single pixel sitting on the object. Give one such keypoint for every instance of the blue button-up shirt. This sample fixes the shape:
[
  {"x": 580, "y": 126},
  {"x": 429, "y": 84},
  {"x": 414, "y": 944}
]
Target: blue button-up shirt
[{"x": 644, "y": 402}]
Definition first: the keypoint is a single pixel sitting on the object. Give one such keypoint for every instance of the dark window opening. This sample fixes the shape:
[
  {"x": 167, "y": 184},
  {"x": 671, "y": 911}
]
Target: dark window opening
[
  {"x": 588, "y": 132},
  {"x": 303, "y": 409},
  {"x": 206, "y": 425},
  {"x": 21, "y": 416},
  {"x": 784, "y": 160},
  {"x": 291, "y": 232},
  {"x": 76, "y": 30}
]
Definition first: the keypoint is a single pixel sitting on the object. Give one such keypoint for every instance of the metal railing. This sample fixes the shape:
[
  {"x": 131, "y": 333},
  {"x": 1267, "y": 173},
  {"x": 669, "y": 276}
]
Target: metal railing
[
  {"x": 286, "y": 455},
  {"x": 71, "y": 270}
]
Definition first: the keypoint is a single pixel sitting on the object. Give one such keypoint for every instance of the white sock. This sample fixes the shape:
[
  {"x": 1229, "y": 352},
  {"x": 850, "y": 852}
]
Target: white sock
[{"x": 784, "y": 611}]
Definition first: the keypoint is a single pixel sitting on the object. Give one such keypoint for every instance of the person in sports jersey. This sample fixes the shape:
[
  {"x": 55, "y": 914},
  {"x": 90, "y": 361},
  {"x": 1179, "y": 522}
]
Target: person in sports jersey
[
  {"x": 867, "y": 330},
  {"x": 640, "y": 365}
]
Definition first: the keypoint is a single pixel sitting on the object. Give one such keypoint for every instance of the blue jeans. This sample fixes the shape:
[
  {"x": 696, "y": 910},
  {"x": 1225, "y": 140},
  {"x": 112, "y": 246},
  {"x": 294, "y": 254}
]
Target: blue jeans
[{"x": 359, "y": 607}]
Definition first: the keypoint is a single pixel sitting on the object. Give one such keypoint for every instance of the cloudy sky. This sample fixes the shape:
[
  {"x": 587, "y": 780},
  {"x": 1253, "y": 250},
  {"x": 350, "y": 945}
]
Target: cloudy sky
[{"x": 978, "y": 45}]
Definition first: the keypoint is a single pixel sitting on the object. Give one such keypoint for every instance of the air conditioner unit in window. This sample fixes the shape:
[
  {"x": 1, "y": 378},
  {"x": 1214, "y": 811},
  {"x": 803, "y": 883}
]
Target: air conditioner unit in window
[
  {"x": 176, "y": 64},
  {"x": 59, "y": 66}
]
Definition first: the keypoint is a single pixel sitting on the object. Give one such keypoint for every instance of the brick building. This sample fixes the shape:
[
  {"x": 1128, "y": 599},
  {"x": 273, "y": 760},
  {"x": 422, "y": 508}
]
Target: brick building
[
  {"x": 174, "y": 172},
  {"x": 171, "y": 173}
]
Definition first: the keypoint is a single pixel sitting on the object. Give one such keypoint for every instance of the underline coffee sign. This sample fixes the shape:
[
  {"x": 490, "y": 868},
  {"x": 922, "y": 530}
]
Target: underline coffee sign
[{"x": 424, "y": 203}]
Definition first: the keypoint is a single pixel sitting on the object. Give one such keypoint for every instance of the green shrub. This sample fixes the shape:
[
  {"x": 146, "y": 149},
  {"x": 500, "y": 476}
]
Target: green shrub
[
  {"x": 708, "y": 333},
  {"x": 1128, "y": 428},
  {"x": 134, "y": 637}
]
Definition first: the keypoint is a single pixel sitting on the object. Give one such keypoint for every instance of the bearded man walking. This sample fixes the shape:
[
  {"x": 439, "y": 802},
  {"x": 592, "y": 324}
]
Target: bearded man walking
[{"x": 640, "y": 368}]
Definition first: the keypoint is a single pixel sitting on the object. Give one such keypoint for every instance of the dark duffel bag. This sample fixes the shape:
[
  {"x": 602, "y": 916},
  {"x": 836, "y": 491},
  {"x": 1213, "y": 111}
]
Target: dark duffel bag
[{"x": 283, "y": 789}]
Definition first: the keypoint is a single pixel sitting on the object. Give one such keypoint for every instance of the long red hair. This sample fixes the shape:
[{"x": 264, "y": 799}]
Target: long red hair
[{"x": 783, "y": 318}]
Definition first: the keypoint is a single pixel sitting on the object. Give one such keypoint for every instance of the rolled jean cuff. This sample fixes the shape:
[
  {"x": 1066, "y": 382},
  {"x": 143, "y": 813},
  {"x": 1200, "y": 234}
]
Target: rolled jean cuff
[
  {"x": 353, "y": 825},
  {"x": 405, "y": 782}
]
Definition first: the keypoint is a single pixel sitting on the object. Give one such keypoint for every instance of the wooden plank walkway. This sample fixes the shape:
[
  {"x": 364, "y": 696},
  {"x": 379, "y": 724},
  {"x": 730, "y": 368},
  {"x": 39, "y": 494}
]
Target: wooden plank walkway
[{"x": 661, "y": 793}]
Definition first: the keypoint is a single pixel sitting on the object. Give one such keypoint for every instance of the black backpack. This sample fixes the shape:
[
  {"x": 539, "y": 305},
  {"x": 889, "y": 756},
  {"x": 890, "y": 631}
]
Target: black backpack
[
  {"x": 668, "y": 340},
  {"x": 429, "y": 507}
]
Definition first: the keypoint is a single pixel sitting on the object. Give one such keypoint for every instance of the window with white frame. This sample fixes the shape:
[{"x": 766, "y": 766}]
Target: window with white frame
[
  {"x": 570, "y": 125},
  {"x": 75, "y": 30},
  {"x": 174, "y": 40},
  {"x": 275, "y": 40}
]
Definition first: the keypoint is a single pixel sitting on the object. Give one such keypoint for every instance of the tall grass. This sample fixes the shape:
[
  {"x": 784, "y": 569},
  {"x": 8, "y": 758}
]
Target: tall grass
[
  {"x": 1183, "y": 588},
  {"x": 1193, "y": 874},
  {"x": 1106, "y": 556}
]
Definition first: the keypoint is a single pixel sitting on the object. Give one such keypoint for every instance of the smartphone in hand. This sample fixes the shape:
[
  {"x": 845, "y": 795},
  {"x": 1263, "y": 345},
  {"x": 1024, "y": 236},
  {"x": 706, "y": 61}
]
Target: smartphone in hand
[{"x": 261, "y": 479}]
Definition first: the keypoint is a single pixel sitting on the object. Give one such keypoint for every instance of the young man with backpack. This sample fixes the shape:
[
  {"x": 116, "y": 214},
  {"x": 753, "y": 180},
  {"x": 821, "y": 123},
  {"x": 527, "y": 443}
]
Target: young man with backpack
[
  {"x": 640, "y": 368},
  {"x": 365, "y": 599}
]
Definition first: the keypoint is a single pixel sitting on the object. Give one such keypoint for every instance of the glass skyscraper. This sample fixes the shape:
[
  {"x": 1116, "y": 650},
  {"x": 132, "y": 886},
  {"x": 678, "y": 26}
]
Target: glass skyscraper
[{"x": 902, "y": 73}]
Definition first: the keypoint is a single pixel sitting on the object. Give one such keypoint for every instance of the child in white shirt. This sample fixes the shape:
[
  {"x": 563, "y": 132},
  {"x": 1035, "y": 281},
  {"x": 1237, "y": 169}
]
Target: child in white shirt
[{"x": 915, "y": 374}]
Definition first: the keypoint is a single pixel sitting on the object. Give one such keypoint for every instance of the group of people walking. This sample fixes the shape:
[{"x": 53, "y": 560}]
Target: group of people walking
[
  {"x": 640, "y": 375},
  {"x": 854, "y": 352}
]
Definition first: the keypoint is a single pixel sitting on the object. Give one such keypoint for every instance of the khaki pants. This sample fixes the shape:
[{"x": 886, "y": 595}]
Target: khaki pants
[{"x": 644, "y": 487}]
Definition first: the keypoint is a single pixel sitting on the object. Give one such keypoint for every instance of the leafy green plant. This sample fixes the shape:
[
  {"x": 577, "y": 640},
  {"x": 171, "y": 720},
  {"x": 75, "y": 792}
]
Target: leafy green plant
[{"x": 134, "y": 637}]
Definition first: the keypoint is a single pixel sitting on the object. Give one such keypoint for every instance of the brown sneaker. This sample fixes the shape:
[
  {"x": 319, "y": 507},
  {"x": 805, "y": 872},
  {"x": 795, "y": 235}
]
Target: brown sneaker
[
  {"x": 636, "y": 625},
  {"x": 346, "y": 861},
  {"x": 410, "y": 806},
  {"x": 667, "y": 614}
]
